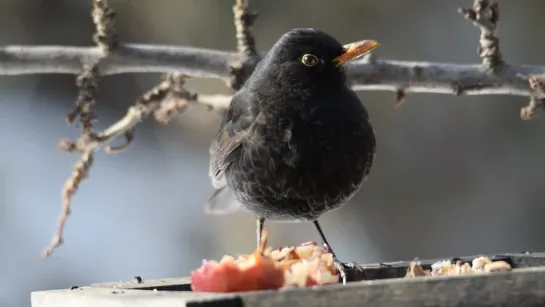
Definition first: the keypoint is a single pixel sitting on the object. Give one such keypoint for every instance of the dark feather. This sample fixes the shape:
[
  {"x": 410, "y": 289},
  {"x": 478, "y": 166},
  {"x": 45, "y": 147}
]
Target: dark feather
[{"x": 233, "y": 131}]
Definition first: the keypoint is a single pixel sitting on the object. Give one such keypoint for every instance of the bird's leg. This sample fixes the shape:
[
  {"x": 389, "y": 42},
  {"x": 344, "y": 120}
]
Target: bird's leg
[
  {"x": 339, "y": 265},
  {"x": 259, "y": 222}
]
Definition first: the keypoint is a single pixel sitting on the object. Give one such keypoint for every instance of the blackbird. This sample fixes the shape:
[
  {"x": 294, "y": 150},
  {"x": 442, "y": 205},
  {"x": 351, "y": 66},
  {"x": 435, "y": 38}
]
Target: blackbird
[{"x": 296, "y": 141}]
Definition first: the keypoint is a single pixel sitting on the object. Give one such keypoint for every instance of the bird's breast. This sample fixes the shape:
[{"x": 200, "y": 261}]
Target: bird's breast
[
  {"x": 319, "y": 154},
  {"x": 298, "y": 163}
]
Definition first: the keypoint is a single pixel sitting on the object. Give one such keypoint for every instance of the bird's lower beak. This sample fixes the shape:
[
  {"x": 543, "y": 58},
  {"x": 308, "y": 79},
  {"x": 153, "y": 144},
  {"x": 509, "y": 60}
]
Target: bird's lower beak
[{"x": 354, "y": 50}]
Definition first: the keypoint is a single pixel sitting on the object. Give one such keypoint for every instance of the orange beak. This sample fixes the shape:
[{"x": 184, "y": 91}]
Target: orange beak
[{"x": 355, "y": 50}]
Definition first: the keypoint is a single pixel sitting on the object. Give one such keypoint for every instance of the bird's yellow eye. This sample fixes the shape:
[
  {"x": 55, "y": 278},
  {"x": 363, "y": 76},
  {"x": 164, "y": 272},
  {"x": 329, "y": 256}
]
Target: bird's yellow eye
[{"x": 309, "y": 60}]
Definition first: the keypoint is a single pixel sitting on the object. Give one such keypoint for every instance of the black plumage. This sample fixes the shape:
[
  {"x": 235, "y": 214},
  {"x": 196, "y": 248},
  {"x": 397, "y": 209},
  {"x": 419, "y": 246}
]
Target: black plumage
[{"x": 296, "y": 141}]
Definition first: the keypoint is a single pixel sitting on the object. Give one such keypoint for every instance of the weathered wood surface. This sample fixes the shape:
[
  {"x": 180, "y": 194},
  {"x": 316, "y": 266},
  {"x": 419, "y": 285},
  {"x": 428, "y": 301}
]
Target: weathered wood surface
[
  {"x": 521, "y": 288},
  {"x": 166, "y": 284},
  {"x": 399, "y": 268},
  {"x": 524, "y": 286}
]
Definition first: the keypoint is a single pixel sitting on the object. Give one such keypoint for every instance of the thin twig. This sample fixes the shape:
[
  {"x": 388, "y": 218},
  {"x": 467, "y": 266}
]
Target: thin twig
[
  {"x": 157, "y": 101},
  {"x": 106, "y": 39},
  {"x": 105, "y": 36},
  {"x": 163, "y": 101},
  {"x": 244, "y": 18},
  {"x": 537, "y": 101},
  {"x": 485, "y": 15},
  {"x": 81, "y": 171},
  {"x": 87, "y": 83},
  {"x": 177, "y": 99},
  {"x": 240, "y": 70}
]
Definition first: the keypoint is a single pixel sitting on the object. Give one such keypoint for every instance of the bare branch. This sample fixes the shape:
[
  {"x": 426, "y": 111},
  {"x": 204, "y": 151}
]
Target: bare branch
[
  {"x": 153, "y": 102},
  {"x": 176, "y": 100},
  {"x": 106, "y": 39},
  {"x": 104, "y": 18},
  {"x": 536, "y": 103},
  {"x": 164, "y": 101},
  {"x": 157, "y": 101},
  {"x": 81, "y": 171},
  {"x": 414, "y": 77},
  {"x": 240, "y": 70},
  {"x": 130, "y": 58},
  {"x": 244, "y": 19},
  {"x": 485, "y": 15},
  {"x": 87, "y": 83}
]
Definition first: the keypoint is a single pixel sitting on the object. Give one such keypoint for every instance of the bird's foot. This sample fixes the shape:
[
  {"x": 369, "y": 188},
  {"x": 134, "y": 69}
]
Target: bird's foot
[{"x": 356, "y": 266}]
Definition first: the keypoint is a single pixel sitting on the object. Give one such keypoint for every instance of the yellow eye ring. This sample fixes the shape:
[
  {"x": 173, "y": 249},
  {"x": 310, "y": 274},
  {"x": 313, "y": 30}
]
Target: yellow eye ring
[{"x": 309, "y": 60}]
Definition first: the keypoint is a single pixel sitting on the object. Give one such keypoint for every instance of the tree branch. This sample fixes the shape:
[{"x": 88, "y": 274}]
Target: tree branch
[
  {"x": 105, "y": 37},
  {"x": 249, "y": 57},
  {"x": 535, "y": 103},
  {"x": 485, "y": 15},
  {"x": 128, "y": 58},
  {"x": 244, "y": 18},
  {"x": 414, "y": 77}
]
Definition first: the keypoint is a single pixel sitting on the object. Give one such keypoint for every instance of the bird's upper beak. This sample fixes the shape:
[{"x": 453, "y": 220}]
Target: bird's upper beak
[{"x": 354, "y": 50}]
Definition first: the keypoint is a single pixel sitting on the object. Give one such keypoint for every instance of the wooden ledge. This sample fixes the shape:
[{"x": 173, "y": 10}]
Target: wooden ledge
[{"x": 523, "y": 286}]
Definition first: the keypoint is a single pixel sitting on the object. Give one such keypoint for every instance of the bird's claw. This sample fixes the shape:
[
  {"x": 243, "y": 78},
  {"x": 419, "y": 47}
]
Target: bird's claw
[{"x": 356, "y": 266}]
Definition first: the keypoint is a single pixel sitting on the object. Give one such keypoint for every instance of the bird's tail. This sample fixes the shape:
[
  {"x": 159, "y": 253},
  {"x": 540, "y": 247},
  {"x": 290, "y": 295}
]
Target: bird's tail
[{"x": 223, "y": 201}]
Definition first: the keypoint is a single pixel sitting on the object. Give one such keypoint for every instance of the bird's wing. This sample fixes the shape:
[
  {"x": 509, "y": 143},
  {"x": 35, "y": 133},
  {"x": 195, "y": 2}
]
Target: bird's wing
[
  {"x": 230, "y": 137},
  {"x": 226, "y": 147}
]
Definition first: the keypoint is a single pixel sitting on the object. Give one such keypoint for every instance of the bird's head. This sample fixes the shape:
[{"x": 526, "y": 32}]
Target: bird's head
[{"x": 309, "y": 58}]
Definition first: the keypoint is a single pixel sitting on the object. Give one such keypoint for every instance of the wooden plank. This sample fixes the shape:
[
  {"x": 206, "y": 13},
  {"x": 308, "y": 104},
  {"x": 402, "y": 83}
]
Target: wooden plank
[
  {"x": 104, "y": 297},
  {"x": 525, "y": 260},
  {"x": 521, "y": 288},
  {"x": 165, "y": 284},
  {"x": 398, "y": 269},
  {"x": 355, "y": 272}
]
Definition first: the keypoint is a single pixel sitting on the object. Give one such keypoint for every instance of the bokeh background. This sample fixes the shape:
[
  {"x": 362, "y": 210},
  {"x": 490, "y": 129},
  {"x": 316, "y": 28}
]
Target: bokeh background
[{"x": 453, "y": 176}]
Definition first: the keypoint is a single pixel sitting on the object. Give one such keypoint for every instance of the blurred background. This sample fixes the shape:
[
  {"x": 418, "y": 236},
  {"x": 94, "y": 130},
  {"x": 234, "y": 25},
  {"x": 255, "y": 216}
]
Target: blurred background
[{"x": 453, "y": 176}]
